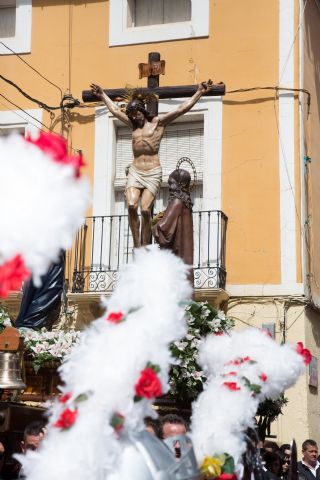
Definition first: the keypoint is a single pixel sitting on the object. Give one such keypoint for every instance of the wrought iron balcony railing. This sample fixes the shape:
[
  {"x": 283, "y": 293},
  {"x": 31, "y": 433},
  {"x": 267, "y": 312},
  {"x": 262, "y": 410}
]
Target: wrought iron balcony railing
[{"x": 104, "y": 244}]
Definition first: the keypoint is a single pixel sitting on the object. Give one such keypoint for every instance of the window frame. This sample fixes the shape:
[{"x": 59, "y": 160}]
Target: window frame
[
  {"x": 21, "y": 42},
  {"x": 120, "y": 34},
  {"x": 193, "y": 122},
  {"x": 18, "y": 119},
  {"x": 105, "y": 143}
]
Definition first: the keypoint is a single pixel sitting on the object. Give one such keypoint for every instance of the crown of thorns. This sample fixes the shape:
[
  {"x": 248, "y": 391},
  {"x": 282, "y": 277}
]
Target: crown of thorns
[{"x": 136, "y": 99}]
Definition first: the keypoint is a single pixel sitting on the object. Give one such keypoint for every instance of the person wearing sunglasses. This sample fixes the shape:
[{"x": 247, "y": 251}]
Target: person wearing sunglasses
[{"x": 285, "y": 455}]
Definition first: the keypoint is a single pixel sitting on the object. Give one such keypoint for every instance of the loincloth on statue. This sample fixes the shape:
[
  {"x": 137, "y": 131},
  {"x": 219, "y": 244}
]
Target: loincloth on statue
[{"x": 149, "y": 179}]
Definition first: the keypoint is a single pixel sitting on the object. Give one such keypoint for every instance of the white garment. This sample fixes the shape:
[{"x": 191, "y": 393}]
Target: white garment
[
  {"x": 149, "y": 179},
  {"x": 312, "y": 470}
]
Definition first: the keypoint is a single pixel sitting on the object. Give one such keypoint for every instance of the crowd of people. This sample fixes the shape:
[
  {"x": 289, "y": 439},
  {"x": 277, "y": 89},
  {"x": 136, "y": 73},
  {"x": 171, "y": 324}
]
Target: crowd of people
[
  {"x": 276, "y": 459},
  {"x": 33, "y": 435}
]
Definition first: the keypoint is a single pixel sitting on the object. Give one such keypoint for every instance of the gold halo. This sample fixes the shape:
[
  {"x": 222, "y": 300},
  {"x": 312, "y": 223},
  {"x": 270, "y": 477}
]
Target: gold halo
[{"x": 190, "y": 162}]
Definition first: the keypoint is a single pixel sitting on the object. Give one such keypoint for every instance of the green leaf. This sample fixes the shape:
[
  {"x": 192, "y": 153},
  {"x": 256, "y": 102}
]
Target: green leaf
[
  {"x": 134, "y": 309},
  {"x": 228, "y": 466},
  {"x": 82, "y": 397},
  {"x": 36, "y": 366},
  {"x": 255, "y": 388}
]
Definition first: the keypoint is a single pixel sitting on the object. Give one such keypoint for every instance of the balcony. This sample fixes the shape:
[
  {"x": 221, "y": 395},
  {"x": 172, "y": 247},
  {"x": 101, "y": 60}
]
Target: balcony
[{"x": 104, "y": 244}]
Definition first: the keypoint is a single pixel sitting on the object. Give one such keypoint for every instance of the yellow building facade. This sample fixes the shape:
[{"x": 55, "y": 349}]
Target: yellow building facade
[{"x": 255, "y": 148}]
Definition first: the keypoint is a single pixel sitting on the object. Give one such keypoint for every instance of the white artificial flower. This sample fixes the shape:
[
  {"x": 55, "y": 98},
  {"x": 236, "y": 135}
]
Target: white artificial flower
[
  {"x": 221, "y": 315},
  {"x": 189, "y": 336},
  {"x": 197, "y": 375},
  {"x": 181, "y": 345},
  {"x": 196, "y": 342}
]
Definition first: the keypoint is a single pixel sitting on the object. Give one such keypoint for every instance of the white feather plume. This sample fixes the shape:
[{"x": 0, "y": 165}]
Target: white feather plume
[
  {"x": 221, "y": 415},
  {"x": 42, "y": 205},
  {"x": 107, "y": 365}
]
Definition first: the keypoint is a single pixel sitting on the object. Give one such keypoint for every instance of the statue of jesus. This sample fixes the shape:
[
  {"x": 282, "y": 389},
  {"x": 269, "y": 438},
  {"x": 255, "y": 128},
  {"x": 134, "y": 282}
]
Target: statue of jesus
[{"x": 145, "y": 172}]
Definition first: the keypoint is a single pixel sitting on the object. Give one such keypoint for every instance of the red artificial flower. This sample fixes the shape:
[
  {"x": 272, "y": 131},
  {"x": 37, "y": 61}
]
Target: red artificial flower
[
  {"x": 304, "y": 352},
  {"x": 52, "y": 144},
  {"x": 115, "y": 317},
  {"x": 263, "y": 377},
  {"x": 232, "y": 386},
  {"x": 218, "y": 334},
  {"x": 227, "y": 476},
  {"x": 12, "y": 274},
  {"x": 246, "y": 359},
  {"x": 229, "y": 373},
  {"x": 148, "y": 385},
  {"x": 234, "y": 362},
  {"x": 66, "y": 419},
  {"x": 56, "y": 147},
  {"x": 76, "y": 161},
  {"x": 64, "y": 398}
]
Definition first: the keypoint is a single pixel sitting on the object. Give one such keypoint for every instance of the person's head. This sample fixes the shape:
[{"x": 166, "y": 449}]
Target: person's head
[
  {"x": 172, "y": 425},
  {"x": 179, "y": 179},
  {"x": 272, "y": 462},
  {"x": 32, "y": 436},
  {"x": 152, "y": 426},
  {"x": 285, "y": 455},
  {"x": 137, "y": 113},
  {"x": 310, "y": 452},
  {"x": 270, "y": 446}
]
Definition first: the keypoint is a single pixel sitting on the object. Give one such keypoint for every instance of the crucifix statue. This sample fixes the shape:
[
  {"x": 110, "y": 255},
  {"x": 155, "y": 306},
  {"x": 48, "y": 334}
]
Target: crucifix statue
[{"x": 145, "y": 172}]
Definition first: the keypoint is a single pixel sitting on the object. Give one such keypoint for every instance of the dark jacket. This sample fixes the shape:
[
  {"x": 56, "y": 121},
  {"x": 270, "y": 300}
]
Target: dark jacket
[{"x": 306, "y": 474}]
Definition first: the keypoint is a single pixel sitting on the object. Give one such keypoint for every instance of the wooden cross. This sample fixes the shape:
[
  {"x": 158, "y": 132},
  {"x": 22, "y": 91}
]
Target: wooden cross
[{"x": 152, "y": 70}]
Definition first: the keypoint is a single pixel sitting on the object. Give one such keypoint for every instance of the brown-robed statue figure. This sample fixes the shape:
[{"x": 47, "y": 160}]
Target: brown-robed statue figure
[
  {"x": 174, "y": 230},
  {"x": 145, "y": 173}
]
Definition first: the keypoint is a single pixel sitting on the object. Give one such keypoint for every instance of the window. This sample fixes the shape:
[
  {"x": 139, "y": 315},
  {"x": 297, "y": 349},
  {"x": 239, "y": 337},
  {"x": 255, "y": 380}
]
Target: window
[
  {"x": 6, "y": 130},
  {"x": 20, "y": 122},
  {"x": 7, "y": 18},
  {"x": 15, "y": 26},
  {"x": 148, "y": 12},
  {"x": 181, "y": 139},
  {"x": 144, "y": 21}
]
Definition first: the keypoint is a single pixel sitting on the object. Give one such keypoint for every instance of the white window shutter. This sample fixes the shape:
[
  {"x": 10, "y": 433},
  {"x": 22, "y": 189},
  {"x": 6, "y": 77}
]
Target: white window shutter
[
  {"x": 7, "y": 18},
  {"x": 184, "y": 139},
  {"x": 157, "y": 12}
]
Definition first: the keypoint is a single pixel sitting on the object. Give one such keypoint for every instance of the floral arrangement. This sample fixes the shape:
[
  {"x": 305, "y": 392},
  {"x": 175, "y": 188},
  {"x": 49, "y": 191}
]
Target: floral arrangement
[
  {"x": 53, "y": 205},
  {"x": 43, "y": 346},
  {"x": 4, "y": 318},
  {"x": 187, "y": 377}
]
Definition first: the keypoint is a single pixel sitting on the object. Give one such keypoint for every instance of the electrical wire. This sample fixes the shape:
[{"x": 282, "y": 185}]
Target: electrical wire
[
  {"x": 75, "y": 150},
  {"x": 24, "y": 111},
  {"x": 32, "y": 68},
  {"x": 18, "y": 115},
  {"x": 298, "y": 90},
  {"x": 38, "y": 102}
]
